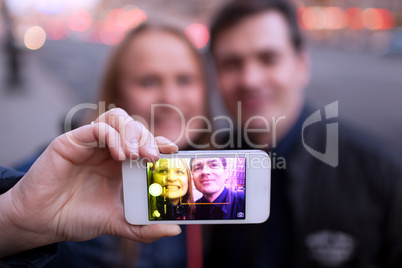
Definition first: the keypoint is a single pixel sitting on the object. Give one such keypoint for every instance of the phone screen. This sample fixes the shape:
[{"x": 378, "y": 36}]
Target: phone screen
[{"x": 203, "y": 188}]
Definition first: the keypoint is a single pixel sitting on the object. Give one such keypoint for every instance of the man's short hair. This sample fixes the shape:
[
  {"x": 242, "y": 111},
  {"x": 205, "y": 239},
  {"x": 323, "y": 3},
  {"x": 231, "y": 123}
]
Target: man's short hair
[
  {"x": 237, "y": 10},
  {"x": 222, "y": 159}
]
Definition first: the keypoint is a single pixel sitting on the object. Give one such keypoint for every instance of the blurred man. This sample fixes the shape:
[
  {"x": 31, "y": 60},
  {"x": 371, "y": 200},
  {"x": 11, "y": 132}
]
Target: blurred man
[
  {"x": 324, "y": 213},
  {"x": 218, "y": 202}
]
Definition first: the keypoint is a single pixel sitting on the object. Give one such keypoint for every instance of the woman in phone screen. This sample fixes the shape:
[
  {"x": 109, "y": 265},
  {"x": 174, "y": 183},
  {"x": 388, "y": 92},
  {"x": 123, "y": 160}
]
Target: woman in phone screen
[{"x": 175, "y": 200}]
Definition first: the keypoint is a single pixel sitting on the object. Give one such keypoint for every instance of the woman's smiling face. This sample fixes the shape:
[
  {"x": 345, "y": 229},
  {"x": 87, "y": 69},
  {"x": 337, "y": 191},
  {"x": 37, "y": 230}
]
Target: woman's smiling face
[
  {"x": 172, "y": 175},
  {"x": 162, "y": 82}
]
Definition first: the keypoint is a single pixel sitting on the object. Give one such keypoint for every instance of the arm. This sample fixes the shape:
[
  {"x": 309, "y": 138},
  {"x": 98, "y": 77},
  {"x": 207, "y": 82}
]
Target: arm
[{"x": 72, "y": 192}]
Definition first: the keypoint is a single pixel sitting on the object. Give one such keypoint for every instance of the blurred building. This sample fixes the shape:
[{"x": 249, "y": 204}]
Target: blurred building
[
  {"x": 353, "y": 25},
  {"x": 101, "y": 21},
  {"x": 236, "y": 170}
]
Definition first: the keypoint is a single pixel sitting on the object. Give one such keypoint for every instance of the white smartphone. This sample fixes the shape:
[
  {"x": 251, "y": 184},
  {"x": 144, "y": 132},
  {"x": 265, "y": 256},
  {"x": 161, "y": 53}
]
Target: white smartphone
[{"x": 198, "y": 187}]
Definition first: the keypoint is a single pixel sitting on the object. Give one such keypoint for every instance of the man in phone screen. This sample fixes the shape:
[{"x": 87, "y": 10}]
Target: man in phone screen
[{"x": 217, "y": 202}]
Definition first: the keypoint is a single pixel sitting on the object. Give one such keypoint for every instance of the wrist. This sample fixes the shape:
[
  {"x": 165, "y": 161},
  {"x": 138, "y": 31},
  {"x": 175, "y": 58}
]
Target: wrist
[
  {"x": 7, "y": 240},
  {"x": 14, "y": 236}
]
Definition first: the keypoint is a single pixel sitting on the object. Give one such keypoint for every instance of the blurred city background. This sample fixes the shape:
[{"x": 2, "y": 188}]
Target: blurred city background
[{"x": 53, "y": 53}]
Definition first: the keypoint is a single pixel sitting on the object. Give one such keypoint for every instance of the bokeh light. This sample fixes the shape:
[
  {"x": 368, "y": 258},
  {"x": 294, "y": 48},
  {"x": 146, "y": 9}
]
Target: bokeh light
[
  {"x": 372, "y": 19},
  {"x": 388, "y": 19},
  {"x": 129, "y": 18},
  {"x": 300, "y": 12},
  {"x": 155, "y": 189},
  {"x": 355, "y": 18},
  {"x": 111, "y": 32},
  {"x": 198, "y": 34},
  {"x": 336, "y": 18},
  {"x": 79, "y": 20},
  {"x": 314, "y": 18},
  {"x": 56, "y": 28},
  {"x": 35, "y": 38}
]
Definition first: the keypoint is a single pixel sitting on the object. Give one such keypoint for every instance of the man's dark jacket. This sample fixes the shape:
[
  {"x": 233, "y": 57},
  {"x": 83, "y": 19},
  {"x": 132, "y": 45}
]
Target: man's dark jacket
[{"x": 344, "y": 216}]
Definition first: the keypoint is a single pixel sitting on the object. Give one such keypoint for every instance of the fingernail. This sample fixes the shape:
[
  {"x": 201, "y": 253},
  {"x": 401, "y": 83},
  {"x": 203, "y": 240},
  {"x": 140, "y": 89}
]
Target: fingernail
[
  {"x": 154, "y": 153},
  {"x": 134, "y": 148},
  {"x": 146, "y": 160},
  {"x": 122, "y": 155},
  {"x": 172, "y": 144},
  {"x": 177, "y": 230},
  {"x": 134, "y": 155}
]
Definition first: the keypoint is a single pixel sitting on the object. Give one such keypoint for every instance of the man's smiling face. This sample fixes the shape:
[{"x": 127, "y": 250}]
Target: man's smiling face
[
  {"x": 209, "y": 175},
  {"x": 258, "y": 66}
]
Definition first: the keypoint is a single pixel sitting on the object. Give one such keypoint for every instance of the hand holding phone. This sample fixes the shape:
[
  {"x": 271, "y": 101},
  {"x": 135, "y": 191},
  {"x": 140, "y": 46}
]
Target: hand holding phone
[{"x": 198, "y": 187}]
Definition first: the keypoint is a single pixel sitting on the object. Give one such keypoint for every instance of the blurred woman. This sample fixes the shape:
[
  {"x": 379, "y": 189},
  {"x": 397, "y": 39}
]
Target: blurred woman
[
  {"x": 176, "y": 201},
  {"x": 157, "y": 75}
]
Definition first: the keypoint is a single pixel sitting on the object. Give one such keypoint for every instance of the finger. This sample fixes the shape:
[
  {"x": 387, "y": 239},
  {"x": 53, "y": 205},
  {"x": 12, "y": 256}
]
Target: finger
[
  {"x": 148, "y": 146},
  {"x": 165, "y": 145},
  {"x": 147, "y": 233},
  {"x": 111, "y": 138},
  {"x": 128, "y": 130},
  {"x": 150, "y": 233},
  {"x": 136, "y": 139},
  {"x": 78, "y": 142}
]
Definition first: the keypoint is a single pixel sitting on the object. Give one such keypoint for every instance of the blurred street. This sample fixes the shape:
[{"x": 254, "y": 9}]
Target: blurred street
[
  {"x": 65, "y": 73},
  {"x": 55, "y": 79},
  {"x": 368, "y": 87},
  {"x": 76, "y": 64}
]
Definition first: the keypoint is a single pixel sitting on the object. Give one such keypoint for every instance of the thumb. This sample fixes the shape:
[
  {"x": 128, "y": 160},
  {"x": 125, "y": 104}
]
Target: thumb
[
  {"x": 150, "y": 233},
  {"x": 142, "y": 233}
]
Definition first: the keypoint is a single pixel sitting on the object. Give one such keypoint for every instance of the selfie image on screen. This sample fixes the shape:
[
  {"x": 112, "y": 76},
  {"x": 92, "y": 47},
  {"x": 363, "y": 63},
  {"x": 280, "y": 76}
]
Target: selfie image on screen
[{"x": 196, "y": 188}]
